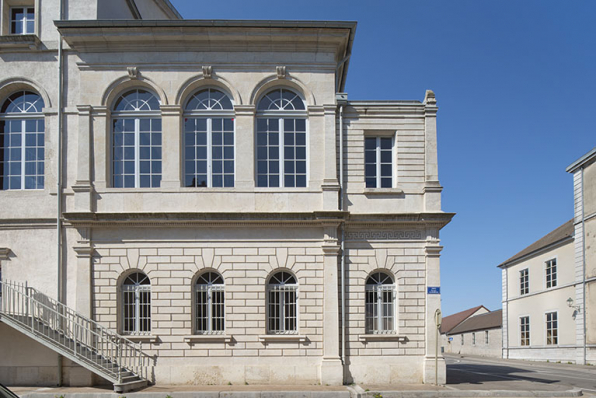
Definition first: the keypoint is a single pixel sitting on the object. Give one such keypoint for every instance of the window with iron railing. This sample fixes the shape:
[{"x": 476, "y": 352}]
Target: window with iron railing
[{"x": 209, "y": 304}]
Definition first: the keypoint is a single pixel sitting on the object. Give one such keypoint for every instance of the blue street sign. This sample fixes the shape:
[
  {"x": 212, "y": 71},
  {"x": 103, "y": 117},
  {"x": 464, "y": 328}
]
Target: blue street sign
[{"x": 434, "y": 290}]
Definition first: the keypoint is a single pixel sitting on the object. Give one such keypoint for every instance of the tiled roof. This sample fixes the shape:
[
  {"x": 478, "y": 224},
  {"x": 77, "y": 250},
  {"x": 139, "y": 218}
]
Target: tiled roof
[
  {"x": 563, "y": 232},
  {"x": 451, "y": 321},
  {"x": 490, "y": 320}
]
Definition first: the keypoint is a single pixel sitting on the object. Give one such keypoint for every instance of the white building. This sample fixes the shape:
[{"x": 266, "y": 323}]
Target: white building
[
  {"x": 548, "y": 288},
  {"x": 207, "y": 204}
]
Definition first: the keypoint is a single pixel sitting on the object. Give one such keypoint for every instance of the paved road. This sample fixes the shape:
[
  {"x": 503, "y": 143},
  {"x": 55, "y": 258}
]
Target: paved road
[{"x": 474, "y": 373}]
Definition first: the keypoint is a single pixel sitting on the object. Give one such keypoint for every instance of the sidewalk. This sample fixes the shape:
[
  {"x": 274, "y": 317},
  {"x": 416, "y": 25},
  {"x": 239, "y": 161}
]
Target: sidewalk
[{"x": 274, "y": 391}]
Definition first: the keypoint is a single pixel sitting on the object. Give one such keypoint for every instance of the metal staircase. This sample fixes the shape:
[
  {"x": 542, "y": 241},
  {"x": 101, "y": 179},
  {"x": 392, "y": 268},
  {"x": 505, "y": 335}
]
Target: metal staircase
[{"x": 74, "y": 336}]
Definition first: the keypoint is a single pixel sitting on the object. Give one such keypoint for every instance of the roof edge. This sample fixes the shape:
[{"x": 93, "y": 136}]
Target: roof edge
[
  {"x": 508, "y": 264},
  {"x": 581, "y": 161},
  {"x": 224, "y": 23},
  {"x": 167, "y": 6}
]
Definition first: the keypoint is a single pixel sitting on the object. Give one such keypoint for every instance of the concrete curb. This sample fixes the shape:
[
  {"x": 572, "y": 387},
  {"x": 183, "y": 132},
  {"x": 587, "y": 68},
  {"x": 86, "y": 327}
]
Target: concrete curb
[
  {"x": 351, "y": 392},
  {"x": 199, "y": 394},
  {"x": 471, "y": 393}
]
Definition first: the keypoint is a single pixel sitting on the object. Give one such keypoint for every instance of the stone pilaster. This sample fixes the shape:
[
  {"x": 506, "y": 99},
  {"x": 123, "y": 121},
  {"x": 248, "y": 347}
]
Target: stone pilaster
[
  {"x": 101, "y": 147},
  {"x": 84, "y": 283},
  {"x": 170, "y": 143},
  {"x": 330, "y": 185},
  {"x": 433, "y": 302},
  {"x": 82, "y": 187},
  {"x": 245, "y": 146},
  {"x": 432, "y": 188},
  {"x": 331, "y": 366}
]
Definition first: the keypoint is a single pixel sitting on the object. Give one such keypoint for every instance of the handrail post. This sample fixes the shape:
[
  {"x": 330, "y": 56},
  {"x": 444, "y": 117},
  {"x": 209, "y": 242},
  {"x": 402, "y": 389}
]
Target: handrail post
[{"x": 30, "y": 309}]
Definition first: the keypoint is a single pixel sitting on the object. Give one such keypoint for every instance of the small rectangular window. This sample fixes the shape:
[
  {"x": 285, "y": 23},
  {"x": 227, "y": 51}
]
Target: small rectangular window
[
  {"x": 552, "y": 329},
  {"x": 462, "y": 339},
  {"x": 473, "y": 338},
  {"x": 378, "y": 162},
  {"x": 486, "y": 337},
  {"x": 524, "y": 282},
  {"x": 22, "y": 21},
  {"x": 551, "y": 273},
  {"x": 524, "y": 326}
]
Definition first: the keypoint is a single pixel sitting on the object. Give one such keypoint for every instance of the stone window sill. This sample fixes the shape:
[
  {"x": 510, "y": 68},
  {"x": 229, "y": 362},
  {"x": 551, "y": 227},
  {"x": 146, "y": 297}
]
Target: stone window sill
[
  {"x": 20, "y": 42},
  {"x": 141, "y": 339},
  {"x": 383, "y": 191},
  {"x": 208, "y": 338},
  {"x": 282, "y": 338},
  {"x": 382, "y": 337}
]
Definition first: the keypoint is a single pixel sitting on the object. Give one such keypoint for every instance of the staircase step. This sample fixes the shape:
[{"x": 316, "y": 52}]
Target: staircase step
[{"x": 130, "y": 386}]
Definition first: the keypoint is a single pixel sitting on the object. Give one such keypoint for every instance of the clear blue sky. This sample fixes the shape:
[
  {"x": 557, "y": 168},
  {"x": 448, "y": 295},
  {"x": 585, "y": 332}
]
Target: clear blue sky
[{"x": 516, "y": 88}]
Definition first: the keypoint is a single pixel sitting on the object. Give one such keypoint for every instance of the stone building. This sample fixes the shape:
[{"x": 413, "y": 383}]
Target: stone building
[
  {"x": 208, "y": 204},
  {"x": 548, "y": 288},
  {"x": 479, "y": 335}
]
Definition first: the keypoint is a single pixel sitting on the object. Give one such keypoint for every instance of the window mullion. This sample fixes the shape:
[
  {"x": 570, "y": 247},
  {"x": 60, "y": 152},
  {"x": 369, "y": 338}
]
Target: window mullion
[
  {"x": 137, "y": 314},
  {"x": 378, "y": 160},
  {"x": 23, "y": 153},
  {"x": 379, "y": 309},
  {"x": 282, "y": 170},
  {"x": 282, "y": 312},
  {"x": 209, "y": 152},
  {"x": 209, "y": 304},
  {"x": 137, "y": 153}
]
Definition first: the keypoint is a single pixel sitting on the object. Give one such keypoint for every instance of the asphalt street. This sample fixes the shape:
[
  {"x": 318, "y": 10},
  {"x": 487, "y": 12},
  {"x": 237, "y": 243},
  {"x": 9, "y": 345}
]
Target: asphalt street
[{"x": 475, "y": 373}]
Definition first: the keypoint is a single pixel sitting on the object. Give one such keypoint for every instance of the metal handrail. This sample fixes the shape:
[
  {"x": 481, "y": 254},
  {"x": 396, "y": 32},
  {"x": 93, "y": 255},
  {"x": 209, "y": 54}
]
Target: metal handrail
[{"x": 111, "y": 354}]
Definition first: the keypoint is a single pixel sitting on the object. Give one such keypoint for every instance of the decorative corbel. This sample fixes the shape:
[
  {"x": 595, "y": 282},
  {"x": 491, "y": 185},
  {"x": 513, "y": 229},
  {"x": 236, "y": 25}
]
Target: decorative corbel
[
  {"x": 4, "y": 253},
  {"x": 207, "y": 71},
  {"x": 281, "y": 72},
  {"x": 133, "y": 72}
]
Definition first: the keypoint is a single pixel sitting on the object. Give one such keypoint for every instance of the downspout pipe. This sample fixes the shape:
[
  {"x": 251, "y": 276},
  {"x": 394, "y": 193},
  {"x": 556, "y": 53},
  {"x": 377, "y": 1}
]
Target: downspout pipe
[
  {"x": 60, "y": 273},
  {"x": 341, "y": 99},
  {"x": 584, "y": 268}
]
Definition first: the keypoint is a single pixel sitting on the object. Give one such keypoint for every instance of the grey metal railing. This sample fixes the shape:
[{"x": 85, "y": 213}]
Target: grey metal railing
[{"x": 101, "y": 350}]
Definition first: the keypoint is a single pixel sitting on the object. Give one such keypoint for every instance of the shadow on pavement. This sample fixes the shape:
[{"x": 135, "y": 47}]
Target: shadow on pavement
[{"x": 479, "y": 374}]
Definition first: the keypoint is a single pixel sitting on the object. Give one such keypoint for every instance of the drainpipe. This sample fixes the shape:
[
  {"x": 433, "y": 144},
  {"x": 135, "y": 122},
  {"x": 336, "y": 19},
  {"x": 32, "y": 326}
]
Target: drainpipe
[
  {"x": 341, "y": 99},
  {"x": 584, "y": 266},
  {"x": 60, "y": 287}
]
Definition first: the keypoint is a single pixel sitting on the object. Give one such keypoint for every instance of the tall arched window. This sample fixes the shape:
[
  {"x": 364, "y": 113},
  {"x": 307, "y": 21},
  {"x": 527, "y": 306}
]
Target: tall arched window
[
  {"x": 380, "y": 304},
  {"x": 282, "y": 295},
  {"x": 22, "y": 142},
  {"x": 136, "y": 140},
  {"x": 209, "y": 140},
  {"x": 210, "y": 310},
  {"x": 136, "y": 304},
  {"x": 281, "y": 140}
]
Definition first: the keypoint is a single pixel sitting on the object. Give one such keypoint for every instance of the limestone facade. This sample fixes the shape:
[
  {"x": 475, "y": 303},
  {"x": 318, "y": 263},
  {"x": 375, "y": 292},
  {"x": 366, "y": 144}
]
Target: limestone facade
[
  {"x": 173, "y": 234},
  {"x": 529, "y": 313}
]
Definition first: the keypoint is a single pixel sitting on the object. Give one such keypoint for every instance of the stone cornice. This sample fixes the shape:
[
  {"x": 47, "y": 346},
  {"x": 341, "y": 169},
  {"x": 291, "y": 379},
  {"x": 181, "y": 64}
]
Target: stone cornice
[
  {"x": 185, "y": 35},
  {"x": 207, "y": 219},
  {"x": 323, "y": 218},
  {"x": 360, "y": 221},
  {"x": 7, "y": 224}
]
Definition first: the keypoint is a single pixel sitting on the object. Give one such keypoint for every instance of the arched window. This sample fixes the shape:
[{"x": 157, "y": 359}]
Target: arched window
[
  {"x": 136, "y": 304},
  {"x": 136, "y": 140},
  {"x": 22, "y": 142},
  {"x": 209, "y": 297},
  {"x": 281, "y": 140},
  {"x": 380, "y": 304},
  {"x": 209, "y": 140},
  {"x": 282, "y": 294}
]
